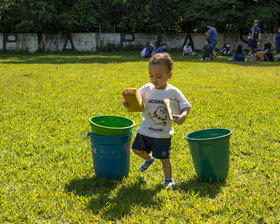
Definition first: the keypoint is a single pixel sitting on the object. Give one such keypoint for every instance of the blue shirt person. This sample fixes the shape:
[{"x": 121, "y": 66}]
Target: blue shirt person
[
  {"x": 254, "y": 37},
  {"x": 149, "y": 52},
  {"x": 212, "y": 35},
  {"x": 161, "y": 48},
  {"x": 277, "y": 41},
  {"x": 239, "y": 54},
  {"x": 207, "y": 50},
  {"x": 149, "y": 49}
]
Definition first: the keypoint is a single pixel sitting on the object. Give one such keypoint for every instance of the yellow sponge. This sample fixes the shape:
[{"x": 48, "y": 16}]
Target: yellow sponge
[
  {"x": 172, "y": 107},
  {"x": 134, "y": 100}
]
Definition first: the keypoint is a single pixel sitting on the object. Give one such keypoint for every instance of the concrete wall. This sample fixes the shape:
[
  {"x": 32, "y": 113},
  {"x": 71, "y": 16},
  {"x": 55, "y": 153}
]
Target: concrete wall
[
  {"x": 21, "y": 42},
  {"x": 84, "y": 41},
  {"x": 109, "y": 38},
  {"x": 33, "y": 42}
]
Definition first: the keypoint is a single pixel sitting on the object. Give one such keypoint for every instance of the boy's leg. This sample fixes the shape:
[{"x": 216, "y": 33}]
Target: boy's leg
[
  {"x": 167, "y": 168},
  {"x": 141, "y": 148},
  {"x": 250, "y": 52},
  {"x": 148, "y": 159},
  {"x": 142, "y": 154}
]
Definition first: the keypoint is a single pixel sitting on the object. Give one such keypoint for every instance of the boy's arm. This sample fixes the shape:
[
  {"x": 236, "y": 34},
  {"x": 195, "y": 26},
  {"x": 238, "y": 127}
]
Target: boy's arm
[{"x": 180, "y": 119}]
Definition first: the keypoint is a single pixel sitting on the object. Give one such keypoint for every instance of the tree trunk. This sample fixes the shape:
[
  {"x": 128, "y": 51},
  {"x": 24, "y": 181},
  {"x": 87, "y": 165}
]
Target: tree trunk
[
  {"x": 188, "y": 36},
  {"x": 159, "y": 38},
  {"x": 241, "y": 38}
]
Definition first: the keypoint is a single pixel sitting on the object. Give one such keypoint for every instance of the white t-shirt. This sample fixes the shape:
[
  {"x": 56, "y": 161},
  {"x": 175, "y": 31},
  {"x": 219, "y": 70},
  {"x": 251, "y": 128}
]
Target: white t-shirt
[
  {"x": 186, "y": 49},
  {"x": 156, "y": 123}
]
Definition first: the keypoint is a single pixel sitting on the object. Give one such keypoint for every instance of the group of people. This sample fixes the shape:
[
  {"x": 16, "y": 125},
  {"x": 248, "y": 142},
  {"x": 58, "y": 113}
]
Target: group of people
[
  {"x": 150, "y": 49},
  {"x": 255, "y": 53},
  {"x": 209, "y": 48}
]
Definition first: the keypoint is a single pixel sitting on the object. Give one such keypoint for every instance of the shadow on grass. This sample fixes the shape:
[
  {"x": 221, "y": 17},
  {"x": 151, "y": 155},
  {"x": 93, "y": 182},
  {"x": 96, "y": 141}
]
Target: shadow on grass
[
  {"x": 111, "y": 203},
  {"x": 70, "y": 58},
  {"x": 107, "y": 57},
  {"x": 202, "y": 188}
]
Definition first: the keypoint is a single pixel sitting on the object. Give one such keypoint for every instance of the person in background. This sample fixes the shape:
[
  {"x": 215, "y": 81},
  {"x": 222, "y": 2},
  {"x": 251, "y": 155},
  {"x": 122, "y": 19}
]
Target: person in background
[
  {"x": 161, "y": 48},
  {"x": 239, "y": 54},
  {"x": 225, "y": 51},
  {"x": 207, "y": 51},
  {"x": 254, "y": 37},
  {"x": 265, "y": 55},
  {"x": 149, "y": 50},
  {"x": 213, "y": 36},
  {"x": 187, "y": 50},
  {"x": 277, "y": 44}
]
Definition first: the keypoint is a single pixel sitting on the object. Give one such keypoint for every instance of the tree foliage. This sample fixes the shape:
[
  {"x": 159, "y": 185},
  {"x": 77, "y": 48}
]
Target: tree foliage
[{"x": 155, "y": 16}]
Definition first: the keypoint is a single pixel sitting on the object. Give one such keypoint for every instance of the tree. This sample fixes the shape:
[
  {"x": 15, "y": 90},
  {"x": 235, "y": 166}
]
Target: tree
[{"x": 228, "y": 15}]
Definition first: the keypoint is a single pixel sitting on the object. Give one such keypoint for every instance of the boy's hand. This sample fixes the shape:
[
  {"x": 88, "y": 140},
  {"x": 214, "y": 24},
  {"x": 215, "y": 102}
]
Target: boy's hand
[{"x": 180, "y": 119}]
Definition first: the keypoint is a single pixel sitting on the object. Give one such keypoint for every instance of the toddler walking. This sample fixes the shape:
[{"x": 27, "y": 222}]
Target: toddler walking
[{"x": 154, "y": 134}]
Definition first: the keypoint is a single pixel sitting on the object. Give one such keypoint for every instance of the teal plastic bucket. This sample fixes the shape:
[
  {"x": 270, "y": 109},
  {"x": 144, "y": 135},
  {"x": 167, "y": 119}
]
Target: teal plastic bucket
[
  {"x": 111, "y": 155},
  {"x": 210, "y": 152}
]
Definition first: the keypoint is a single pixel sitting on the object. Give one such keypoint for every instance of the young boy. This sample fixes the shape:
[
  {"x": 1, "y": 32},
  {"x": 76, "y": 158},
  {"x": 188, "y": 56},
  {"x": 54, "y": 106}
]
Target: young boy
[
  {"x": 207, "y": 51},
  {"x": 265, "y": 55},
  {"x": 187, "y": 50},
  {"x": 254, "y": 37},
  {"x": 161, "y": 48},
  {"x": 226, "y": 51},
  {"x": 154, "y": 134}
]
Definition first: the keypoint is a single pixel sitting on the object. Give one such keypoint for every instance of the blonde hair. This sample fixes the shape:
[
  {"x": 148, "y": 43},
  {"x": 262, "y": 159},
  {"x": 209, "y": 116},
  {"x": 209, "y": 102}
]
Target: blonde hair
[{"x": 162, "y": 59}]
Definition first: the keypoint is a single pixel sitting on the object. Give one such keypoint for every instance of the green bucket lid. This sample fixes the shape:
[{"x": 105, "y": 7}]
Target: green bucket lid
[
  {"x": 111, "y": 125},
  {"x": 208, "y": 134}
]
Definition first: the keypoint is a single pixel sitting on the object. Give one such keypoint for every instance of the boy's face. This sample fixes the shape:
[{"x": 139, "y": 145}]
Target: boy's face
[
  {"x": 159, "y": 75},
  {"x": 278, "y": 30},
  {"x": 256, "y": 24}
]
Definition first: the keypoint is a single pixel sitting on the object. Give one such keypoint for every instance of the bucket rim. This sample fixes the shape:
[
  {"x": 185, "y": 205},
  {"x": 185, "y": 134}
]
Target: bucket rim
[
  {"x": 207, "y": 139},
  {"x": 114, "y": 128},
  {"x": 115, "y": 136}
]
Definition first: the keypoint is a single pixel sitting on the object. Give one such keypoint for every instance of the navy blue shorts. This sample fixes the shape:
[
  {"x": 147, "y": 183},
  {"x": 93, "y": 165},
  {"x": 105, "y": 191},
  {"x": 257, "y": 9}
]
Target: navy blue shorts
[
  {"x": 253, "y": 43},
  {"x": 213, "y": 45},
  {"x": 160, "y": 147}
]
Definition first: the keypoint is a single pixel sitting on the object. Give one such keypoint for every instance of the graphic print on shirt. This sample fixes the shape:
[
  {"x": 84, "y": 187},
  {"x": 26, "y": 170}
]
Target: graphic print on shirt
[{"x": 159, "y": 117}]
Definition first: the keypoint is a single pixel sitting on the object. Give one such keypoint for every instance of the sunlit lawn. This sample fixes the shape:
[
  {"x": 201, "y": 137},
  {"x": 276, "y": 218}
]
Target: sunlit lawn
[{"x": 46, "y": 168}]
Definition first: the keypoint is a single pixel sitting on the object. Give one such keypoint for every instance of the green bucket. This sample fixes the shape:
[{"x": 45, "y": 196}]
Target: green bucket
[
  {"x": 210, "y": 152},
  {"x": 111, "y": 125}
]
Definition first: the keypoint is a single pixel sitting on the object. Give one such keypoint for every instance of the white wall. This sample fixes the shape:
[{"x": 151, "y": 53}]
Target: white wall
[
  {"x": 84, "y": 41},
  {"x": 23, "y": 42},
  {"x": 91, "y": 41}
]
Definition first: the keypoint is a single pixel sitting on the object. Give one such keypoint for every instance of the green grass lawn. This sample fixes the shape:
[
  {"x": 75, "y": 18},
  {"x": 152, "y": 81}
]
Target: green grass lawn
[{"x": 46, "y": 168}]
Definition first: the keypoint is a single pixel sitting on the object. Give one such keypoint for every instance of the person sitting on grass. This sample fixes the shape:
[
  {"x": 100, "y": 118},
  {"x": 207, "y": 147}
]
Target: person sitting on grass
[
  {"x": 187, "y": 50},
  {"x": 277, "y": 44},
  {"x": 239, "y": 54},
  {"x": 225, "y": 51},
  {"x": 148, "y": 50},
  {"x": 207, "y": 51},
  {"x": 265, "y": 55},
  {"x": 154, "y": 134},
  {"x": 161, "y": 48}
]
